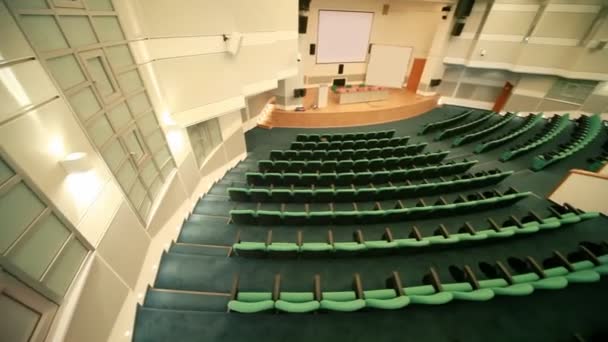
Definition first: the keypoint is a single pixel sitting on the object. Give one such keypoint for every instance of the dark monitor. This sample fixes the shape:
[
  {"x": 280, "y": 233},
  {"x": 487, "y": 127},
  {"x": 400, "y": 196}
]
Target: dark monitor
[{"x": 339, "y": 82}]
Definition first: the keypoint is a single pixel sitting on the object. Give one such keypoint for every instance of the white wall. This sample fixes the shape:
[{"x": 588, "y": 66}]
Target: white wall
[{"x": 411, "y": 24}]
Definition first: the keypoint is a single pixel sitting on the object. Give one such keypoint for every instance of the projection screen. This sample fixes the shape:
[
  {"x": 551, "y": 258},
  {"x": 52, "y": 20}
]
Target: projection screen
[{"x": 343, "y": 37}]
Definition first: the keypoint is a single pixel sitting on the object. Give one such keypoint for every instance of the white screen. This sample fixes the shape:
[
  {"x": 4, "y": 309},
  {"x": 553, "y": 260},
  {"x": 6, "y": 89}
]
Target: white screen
[
  {"x": 343, "y": 37},
  {"x": 388, "y": 65}
]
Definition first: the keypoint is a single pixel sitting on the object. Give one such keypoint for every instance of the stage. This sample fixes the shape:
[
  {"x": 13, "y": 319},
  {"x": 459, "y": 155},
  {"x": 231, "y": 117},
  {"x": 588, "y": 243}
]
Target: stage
[{"x": 401, "y": 104}]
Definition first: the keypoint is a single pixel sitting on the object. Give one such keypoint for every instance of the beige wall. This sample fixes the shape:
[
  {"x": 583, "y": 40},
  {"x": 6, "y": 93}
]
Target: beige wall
[
  {"x": 583, "y": 191},
  {"x": 183, "y": 56},
  {"x": 561, "y": 40},
  {"x": 407, "y": 24}
]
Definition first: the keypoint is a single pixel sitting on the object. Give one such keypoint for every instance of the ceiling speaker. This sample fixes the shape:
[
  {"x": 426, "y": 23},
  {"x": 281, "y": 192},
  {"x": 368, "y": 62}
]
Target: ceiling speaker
[{"x": 385, "y": 9}]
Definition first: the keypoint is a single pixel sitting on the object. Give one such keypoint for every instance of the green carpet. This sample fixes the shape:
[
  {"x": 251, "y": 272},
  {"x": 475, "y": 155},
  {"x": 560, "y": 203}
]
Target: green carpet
[{"x": 169, "y": 313}]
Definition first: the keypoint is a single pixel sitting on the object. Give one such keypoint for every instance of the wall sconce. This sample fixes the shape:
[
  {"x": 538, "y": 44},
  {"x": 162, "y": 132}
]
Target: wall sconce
[{"x": 75, "y": 163}]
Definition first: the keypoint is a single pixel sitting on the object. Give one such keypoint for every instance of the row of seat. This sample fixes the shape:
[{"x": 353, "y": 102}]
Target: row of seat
[
  {"x": 375, "y": 164},
  {"x": 473, "y": 202},
  {"x": 349, "y": 144},
  {"x": 454, "y": 131},
  {"x": 358, "y": 178},
  {"x": 588, "y": 128},
  {"x": 554, "y": 127},
  {"x": 445, "y": 123},
  {"x": 363, "y": 193},
  {"x": 346, "y": 136},
  {"x": 528, "y": 124},
  {"x": 483, "y": 131},
  {"x": 362, "y": 153},
  {"x": 529, "y": 224},
  {"x": 525, "y": 277}
]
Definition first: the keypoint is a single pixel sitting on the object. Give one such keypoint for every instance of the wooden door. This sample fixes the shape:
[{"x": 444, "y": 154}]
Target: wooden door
[
  {"x": 416, "y": 74},
  {"x": 503, "y": 97}
]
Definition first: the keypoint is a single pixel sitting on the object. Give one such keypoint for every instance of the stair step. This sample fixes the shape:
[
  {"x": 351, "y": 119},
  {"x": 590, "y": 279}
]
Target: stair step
[
  {"x": 188, "y": 301},
  {"x": 198, "y": 249}
]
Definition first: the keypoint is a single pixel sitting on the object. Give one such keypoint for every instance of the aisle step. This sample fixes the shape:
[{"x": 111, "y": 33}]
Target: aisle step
[{"x": 185, "y": 300}]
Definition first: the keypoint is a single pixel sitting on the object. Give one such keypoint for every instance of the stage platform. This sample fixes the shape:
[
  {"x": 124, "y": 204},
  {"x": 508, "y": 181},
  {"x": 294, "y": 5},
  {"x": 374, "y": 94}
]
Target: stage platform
[{"x": 401, "y": 104}]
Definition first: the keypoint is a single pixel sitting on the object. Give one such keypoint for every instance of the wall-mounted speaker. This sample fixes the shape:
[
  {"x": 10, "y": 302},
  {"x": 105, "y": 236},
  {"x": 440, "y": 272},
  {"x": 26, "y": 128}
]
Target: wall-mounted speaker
[
  {"x": 457, "y": 30},
  {"x": 312, "y": 49},
  {"x": 435, "y": 82},
  {"x": 302, "y": 24},
  {"x": 385, "y": 9},
  {"x": 340, "y": 69},
  {"x": 464, "y": 8},
  {"x": 299, "y": 92},
  {"x": 304, "y": 5}
]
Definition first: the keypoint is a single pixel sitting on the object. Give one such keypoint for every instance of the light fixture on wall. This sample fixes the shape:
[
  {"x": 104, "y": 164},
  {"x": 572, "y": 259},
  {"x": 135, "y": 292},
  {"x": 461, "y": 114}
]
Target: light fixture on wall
[
  {"x": 76, "y": 162},
  {"x": 233, "y": 42}
]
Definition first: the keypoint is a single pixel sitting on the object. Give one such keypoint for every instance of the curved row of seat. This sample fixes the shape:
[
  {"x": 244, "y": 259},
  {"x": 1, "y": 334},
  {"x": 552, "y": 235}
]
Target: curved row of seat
[
  {"x": 453, "y": 131},
  {"x": 587, "y": 130},
  {"x": 525, "y": 277},
  {"x": 375, "y": 164},
  {"x": 528, "y": 124},
  {"x": 555, "y": 126},
  {"x": 364, "y": 193},
  {"x": 349, "y": 144},
  {"x": 529, "y": 224},
  {"x": 357, "y": 178},
  {"x": 482, "y": 132},
  {"x": 473, "y": 202},
  {"x": 346, "y": 136},
  {"x": 444, "y": 123},
  {"x": 362, "y": 153}
]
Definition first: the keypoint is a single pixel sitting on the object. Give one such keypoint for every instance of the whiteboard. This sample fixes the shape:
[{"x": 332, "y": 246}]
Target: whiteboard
[
  {"x": 343, "y": 37},
  {"x": 388, "y": 65}
]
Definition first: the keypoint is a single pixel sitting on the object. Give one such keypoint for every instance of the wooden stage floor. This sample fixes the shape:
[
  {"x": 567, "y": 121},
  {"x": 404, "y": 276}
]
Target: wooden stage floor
[{"x": 401, "y": 104}]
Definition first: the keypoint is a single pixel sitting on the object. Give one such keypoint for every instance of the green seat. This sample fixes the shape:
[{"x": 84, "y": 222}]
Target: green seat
[
  {"x": 602, "y": 269},
  {"x": 422, "y": 290},
  {"x": 297, "y": 302},
  {"x": 492, "y": 283},
  {"x": 349, "y": 246},
  {"x": 491, "y": 233},
  {"x": 412, "y": 243},
  {"x": 395, "y": 303},
  {"x": 252, "y": 302},
  {"x": 434, "y": 299},
  {"x": 585, "y": 276},
  {"x": 282, "y": 247},
  {"x": 525, "y": 278},
  {"x": 441, "y": 240},
  {"x": 569, "y": 218},
  {"x": 583, "y": 265},
  {"x": 380, "y": 244},
  {"x": 552, "y": 283},
  {"x": 249, "y": 246},
  {"x": 588, "y": 215},
  {"x": 528, "y": 228},
  {"x": 480, "y": 295},
  {"x": 316, "y": 247},
  {"x": 344, "y": 301},
  {"x": 514, "y": 290},
  {"x": 470, "y": 237},
  {"x": 556, "y": 271},
  {"x": 550, "y": 223}
]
